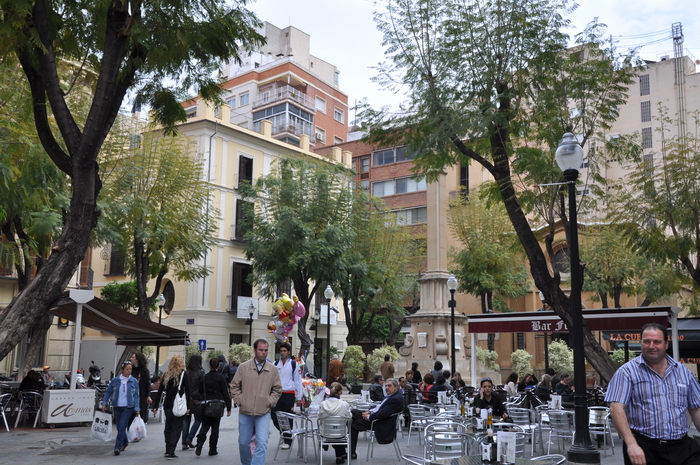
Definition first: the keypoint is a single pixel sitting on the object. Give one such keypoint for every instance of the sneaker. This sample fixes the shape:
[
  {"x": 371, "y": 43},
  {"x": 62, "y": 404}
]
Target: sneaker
[
  {"x": 116, "y": 451},
  {"x": 172, "y": 457},
  {"x": 286, "y": 446},
  {"x": 339, "y": 460}
]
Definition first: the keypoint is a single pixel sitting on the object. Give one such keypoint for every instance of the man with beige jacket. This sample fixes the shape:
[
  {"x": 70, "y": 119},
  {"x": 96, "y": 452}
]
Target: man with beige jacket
[{"x": 255, "y": 388}]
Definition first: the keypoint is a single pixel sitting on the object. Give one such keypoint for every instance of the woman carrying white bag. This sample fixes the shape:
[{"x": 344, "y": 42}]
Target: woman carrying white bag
[
  {"x": 124, "y": 392},
  {"x": 176, "y": 404}
]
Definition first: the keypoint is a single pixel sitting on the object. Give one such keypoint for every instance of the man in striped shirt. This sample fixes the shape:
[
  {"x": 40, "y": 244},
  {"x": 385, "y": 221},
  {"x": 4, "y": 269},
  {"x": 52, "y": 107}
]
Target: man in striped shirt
[{"x": 656, "y": 392}]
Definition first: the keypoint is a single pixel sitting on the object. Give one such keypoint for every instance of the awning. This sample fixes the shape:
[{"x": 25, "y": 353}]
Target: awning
[
  {"x": 612, "y": 319},
  {"x": 688, "y": 338},
  {"x": 128, "y": 328}
]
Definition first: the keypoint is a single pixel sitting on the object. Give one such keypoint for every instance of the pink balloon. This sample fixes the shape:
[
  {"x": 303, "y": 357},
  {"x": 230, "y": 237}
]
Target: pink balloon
[{"x": 299, "y": 309}]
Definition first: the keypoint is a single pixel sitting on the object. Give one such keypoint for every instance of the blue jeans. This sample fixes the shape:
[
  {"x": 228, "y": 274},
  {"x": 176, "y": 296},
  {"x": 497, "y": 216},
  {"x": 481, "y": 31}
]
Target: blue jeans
[
  {"x": 121, "y": 419},
  {"x": 246, "y": 425},
  {"x": 187, "y": 433}
]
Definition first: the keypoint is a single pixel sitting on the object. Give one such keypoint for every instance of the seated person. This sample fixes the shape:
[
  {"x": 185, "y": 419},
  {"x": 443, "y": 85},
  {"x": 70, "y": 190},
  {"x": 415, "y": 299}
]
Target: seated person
[
  {"x": 32, "y": 382},
  {"x": 335, "y": 406},
  {"x": 435, "y": 388},
  {"x": 457, "y": 381},
  {"x": 446, "y": 374},
  {"x": 528, "y": 380},
  {"x": 376, "y": 392},
  {"x": 385, "y": 427},
  {"x": 487, "y": 399},
  {"x": 565, "y": 389},
  {"x": 425, "y": 386},
  {"x": 409, "y": 397},
  {"x": 543, "y": 390}
]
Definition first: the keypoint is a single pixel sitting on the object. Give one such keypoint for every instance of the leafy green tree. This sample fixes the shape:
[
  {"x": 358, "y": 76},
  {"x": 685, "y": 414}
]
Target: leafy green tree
[
  {"x": 375, "y": 287},
  {"x": 299, "y": 229},
  {"x": 658, "y": 206},
  {"x": 491, "y": 81},
  {"x": 488, "y": 358},
  {"x": 240, "y": 353},
  {"x": 520, "y": 361},
  {"x": 376, "y": 358},
  {"x": 354, "y": 360},
  {"x": 156, "y": 211},
  {"x": 155, "y": 51},
  {"x": 122, "y": 295},
  {"x": 561, "y": 358}
]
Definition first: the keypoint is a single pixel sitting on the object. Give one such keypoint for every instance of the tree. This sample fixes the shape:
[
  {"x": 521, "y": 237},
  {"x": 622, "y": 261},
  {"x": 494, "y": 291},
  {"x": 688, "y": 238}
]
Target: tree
[
  {"x": 299, "y": 229},
  {"x": 489, "y": 266},
  {"x": 156, "y": 211},
  {"x": 156, "y": 51},
  {"x": 491, "y": 81},
  {"x": 520, "y": 362},
  {"x": 378, "y": 278},
  {"x": 658, "y": 206},
  {"x": 122, "y": 295}
]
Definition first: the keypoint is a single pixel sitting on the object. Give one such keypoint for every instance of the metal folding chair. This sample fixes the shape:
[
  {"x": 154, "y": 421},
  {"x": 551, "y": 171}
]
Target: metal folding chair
[
  {"x": 599, "y": 424},
  {"x": 370, "y": 447},
  {"x": 419, "y": 420},
  {"x": 561, "y": 427},
  {"x": 4, "y": 403},
  {"x": 554, "y": 459},
  {"x": 286, "y": 422}
]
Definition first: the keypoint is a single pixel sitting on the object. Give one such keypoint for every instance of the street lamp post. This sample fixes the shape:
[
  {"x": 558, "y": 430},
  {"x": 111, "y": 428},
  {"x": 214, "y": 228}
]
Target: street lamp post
[
  {"x": 251, "y": 312},
  {"x": 569, "y": 156},
  {"x": 452, "y": 286},
  {"x": 328, "y": 294},
  {"x": 161, "y": 304}
]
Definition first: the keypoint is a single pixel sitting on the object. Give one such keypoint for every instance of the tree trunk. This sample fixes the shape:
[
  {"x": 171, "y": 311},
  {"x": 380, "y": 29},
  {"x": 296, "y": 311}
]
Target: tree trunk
[
  {"x": 604, "y": 299},
  {"x": 38, "y": 335}
]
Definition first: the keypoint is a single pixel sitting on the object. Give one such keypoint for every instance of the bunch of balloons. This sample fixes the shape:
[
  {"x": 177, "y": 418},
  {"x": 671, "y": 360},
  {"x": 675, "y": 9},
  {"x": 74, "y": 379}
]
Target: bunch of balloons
[{"x": 287, "y": 312}]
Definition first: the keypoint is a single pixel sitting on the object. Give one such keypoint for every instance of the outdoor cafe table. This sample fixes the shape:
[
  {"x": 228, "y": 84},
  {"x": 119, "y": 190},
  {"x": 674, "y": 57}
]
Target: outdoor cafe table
[{"x": 476, "y": 460}]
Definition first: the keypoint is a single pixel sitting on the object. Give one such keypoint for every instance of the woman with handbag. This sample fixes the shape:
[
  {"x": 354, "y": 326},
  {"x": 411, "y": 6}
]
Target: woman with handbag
[
  {"x": 177, "y": 403},
  {"x": 124, "y": 392},
  {"x": 195, "y": 373},
  {"x": 216, "y": 397}
]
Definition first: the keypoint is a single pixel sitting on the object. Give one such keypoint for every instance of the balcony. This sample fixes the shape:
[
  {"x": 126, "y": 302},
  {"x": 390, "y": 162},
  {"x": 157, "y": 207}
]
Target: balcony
[{"x": 282, "y": 93}]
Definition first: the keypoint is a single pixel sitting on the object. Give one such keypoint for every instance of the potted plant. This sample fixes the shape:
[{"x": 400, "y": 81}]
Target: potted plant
[{"x": 354, "y": 361}]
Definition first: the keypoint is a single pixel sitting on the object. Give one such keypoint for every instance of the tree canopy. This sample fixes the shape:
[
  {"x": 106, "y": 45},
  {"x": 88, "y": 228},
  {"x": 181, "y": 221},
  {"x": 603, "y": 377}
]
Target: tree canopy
[
  {"x": 158, "y": 51},
  {"x": 492, "y": 81}
]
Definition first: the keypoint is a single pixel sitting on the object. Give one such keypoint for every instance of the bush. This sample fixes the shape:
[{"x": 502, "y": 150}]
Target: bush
[
  {"x": 240, "y": 353},
  {"x": 618, "y": 357},
  {"x": 561, "y": 358},
  {"x": 520, "y": 360},
  {"x": 213, "y": 354},
  {"x": 191, "y": 350},
  {"x": 354, "y": 361},
  {"x": 488, "y": 358},
  {"x": 376, "y": 358}
]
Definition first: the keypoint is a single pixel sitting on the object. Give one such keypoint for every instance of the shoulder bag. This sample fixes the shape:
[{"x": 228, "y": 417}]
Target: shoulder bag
[
  {"x": 213, "y": 408},
  {"x": 180, "y": 403}
]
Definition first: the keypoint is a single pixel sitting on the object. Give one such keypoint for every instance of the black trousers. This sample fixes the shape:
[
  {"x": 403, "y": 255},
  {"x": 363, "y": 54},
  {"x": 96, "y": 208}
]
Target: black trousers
[
  {"x": 284, "y": 404},
  {"x": 207, "y": 423},
  {"x": 687, "y": 452},
  {"x": 172, "y": 431},
  {"x": 358, "y": 424}
]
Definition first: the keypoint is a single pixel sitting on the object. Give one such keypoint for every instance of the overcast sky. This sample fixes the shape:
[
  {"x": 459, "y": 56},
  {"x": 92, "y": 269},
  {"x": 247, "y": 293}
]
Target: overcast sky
[{"x": 343, "y": 33}]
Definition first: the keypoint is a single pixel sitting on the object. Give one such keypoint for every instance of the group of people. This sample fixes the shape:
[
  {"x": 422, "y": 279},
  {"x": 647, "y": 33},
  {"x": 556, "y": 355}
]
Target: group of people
[{"x": 129, "y": 393}]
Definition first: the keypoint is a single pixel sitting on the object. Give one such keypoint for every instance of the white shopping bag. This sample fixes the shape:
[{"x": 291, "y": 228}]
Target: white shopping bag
[
  {"x": 102, "y": 426},
  {"x": 137, "y": 430}
]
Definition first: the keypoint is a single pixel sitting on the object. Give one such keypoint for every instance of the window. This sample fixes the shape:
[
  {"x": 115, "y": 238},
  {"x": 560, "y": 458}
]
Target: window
[
  {"x": 265, "y": 97},
  {"x": 364, "y": 184},
  {"x": 363, "y": 165},
  {"x": 644, "y": 85},
  {"x": 191, "y": 112},
  {"x": 646, "y": 111},
  {"x": 320, "y": 135},
  {"x": 584, "y": 163},
  {"x": 521, "y": 341},
  {"x": 244, "y": 98},
  {"x": 338, "y": 115},
  {"x": 561, "y": 257},
  {"x": 169, "y": 294},
  {"x": 320, "y": 105},
  {"x": 245, "y": 170},
  {"x": 231, "y": 102},
  {"x": 116, "y": 262},
  {"x": 412, "y": 215},
  {"x": 648, "y": 164},
  {"x": 464, "y": 180},
  {"x": 337, "y": 140},
  {"x": 239, "y": 285},
  {"x": 391, "y": 155},
  {"x": 336, "y": 78},
  {"x": 398, "y": 186},
  {"x": 217, "y": 111},
  {"x": 646, "y": 138},
  {"x": 241, "y": 227},
  {"x": 284, "y": 287}
]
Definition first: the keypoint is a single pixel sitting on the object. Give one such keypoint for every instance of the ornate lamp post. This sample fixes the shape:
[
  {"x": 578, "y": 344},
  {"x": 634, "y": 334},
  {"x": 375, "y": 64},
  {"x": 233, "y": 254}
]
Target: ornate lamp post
[
  {"x": 249, "y": 321},
  {"x": 161, "y": 304},
  {"x": 569, "y": 156},
  {"x": 328, "y": 294},
  {"x": 452, "y": 286}
]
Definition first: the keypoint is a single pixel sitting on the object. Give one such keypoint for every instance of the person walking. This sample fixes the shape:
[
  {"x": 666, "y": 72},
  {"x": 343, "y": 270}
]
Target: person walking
[
  {"x": 649, "y": 397},
  {"x": 124, "y": 392},
  {"x": 169, "y": 385},
  {"x": 214, "y": 387},
  {"x": 256, "y": 388},
  {"x": 142, "y": 375},
  {"x": 195, "y": 373},
  {"x": 290, "y": 377}
]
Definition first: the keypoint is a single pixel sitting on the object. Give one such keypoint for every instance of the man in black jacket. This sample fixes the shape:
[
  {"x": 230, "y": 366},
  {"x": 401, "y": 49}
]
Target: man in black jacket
[{"x": 385, "y": 427}]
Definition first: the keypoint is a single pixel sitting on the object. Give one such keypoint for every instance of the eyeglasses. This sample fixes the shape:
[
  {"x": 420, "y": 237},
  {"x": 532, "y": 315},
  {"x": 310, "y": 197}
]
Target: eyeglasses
[
  {"x": 127, "y": 363},
  {"x": 486, "y": 379}
]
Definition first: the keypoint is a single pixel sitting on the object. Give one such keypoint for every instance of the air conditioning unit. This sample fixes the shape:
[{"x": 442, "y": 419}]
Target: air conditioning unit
[{"x": 320, "y": 138}]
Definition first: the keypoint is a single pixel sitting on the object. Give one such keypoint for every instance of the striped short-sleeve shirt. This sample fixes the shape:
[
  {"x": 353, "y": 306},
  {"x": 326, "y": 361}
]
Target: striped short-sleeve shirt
[{"x": 656, "y": 406}]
